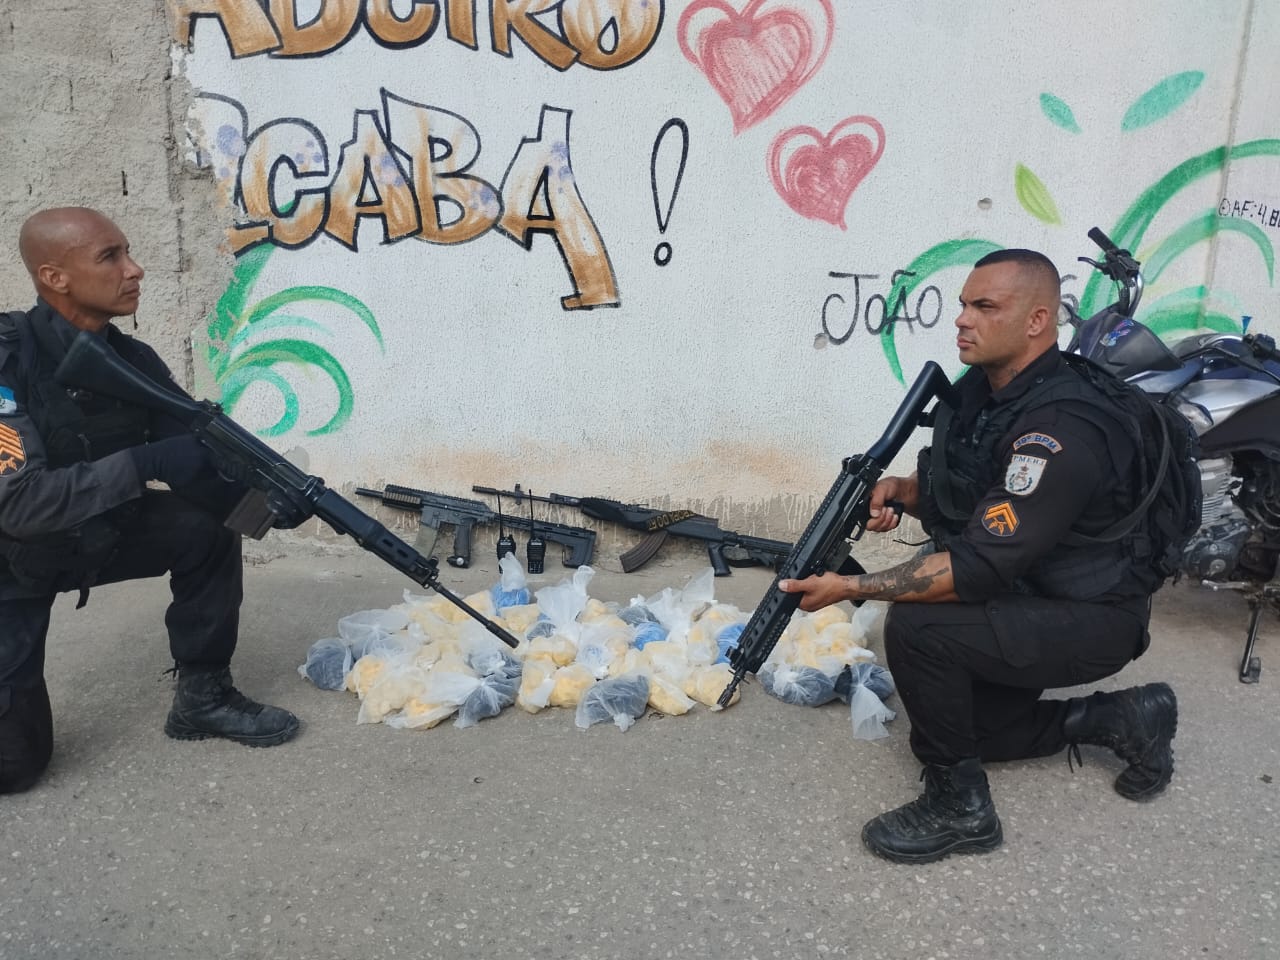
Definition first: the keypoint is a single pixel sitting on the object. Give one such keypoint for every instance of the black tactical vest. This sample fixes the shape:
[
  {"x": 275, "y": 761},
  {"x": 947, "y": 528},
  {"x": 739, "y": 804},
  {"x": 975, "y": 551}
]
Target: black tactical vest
[
  {"x": 963, "y": 463},
  {"x": 75, "y": 427}
]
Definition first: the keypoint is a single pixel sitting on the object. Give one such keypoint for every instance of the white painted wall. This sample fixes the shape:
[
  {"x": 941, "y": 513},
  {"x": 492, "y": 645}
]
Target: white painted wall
[{"x": 709, "y": 383}]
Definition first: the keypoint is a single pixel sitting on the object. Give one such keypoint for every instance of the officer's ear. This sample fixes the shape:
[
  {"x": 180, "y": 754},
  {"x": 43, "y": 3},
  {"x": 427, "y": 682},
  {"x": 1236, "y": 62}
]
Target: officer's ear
[
  {"x": 53, "y": 277},
  {"x": 1040, "y": 320}
]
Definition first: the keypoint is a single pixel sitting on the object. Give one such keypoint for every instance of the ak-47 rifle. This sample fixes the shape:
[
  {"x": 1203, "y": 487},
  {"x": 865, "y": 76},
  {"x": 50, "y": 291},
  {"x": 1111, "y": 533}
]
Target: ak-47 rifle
[
  {"x": 824, "y": 545},
  {"x": 725, "y": 548},
  {"x": 91, "y": 364},
  {"x": 434, "y": 509}
]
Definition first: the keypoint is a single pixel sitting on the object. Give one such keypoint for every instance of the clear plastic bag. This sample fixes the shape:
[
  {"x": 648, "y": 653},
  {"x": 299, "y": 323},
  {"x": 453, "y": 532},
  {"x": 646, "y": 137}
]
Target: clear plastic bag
[
  {"x": 511, "y": 590},
  {"x": 328, "y": 663},
  {"x": 727, "y": 639},
  {"x": 802, "y": 686},
  {"x": 562, "y": 603},
  {"x": 365, "y": 628},
  {"x": 865, "y": 687},
  {"x": 493, "y": 693},
  {"x": 648, "y": 632},
  {"x": 621, "y": 699},
  {"x": 636, "y": 614}
]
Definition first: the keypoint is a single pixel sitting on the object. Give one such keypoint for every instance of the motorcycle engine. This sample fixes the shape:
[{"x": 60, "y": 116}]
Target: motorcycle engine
[{"x": 1240, "y": 529}]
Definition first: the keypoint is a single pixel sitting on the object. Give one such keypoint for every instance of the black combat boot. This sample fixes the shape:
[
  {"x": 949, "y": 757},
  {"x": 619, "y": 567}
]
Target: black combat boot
[
  {"x": 953, "y": 815},
  {"x": 207, "y": 705},
  {"x": 1138, "y": 724}
]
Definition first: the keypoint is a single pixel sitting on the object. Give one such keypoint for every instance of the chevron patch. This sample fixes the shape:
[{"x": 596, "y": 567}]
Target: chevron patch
[
  {"x": 13, "y": 454},
  {"x": 1000, "y": 520}
]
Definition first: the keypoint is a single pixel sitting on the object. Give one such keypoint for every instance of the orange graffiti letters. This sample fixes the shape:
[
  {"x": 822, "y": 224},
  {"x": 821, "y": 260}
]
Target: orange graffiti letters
[
  {"x": 408, "y": 168},
  {"x": 600, "y": 34},
  {"x": 541, "y": 175}
]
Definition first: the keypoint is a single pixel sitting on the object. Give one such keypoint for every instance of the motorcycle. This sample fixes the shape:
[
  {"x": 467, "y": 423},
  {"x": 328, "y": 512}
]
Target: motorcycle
[{"x": 1228, "y": 386}]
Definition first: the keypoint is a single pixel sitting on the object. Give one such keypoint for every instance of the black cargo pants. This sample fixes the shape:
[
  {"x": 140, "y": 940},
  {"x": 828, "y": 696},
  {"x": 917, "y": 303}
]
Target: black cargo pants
[
  {"x": 170, "y": 536},
  {"x": 970, "y": 675}
]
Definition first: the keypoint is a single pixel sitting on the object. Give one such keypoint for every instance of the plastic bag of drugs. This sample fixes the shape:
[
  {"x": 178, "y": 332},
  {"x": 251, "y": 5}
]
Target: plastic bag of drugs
[
  {"x": 648, "y": 632},
  {"x": 562, "y": 603},
  {"x": 802, "y": 686},
  {"x": 328, "y": 663},
  {"x": 620, "y": 699},
  {"x": 512, "y": 589},
  {"x": 637, "y": 613},
  {"x": 493, "y": 693},
  {"x": 727, "y": 639},
  {"x": 363, "y": 629},
  {"x": 393, "y": 688},
  {"x": 865, "y": 687}
]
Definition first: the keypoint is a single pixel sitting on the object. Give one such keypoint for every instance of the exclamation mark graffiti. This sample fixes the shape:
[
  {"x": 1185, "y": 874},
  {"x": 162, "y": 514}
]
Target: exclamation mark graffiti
[{"x": 662, "y": 252}]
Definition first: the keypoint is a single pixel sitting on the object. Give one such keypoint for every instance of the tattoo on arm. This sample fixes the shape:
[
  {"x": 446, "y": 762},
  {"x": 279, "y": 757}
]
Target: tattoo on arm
[{"x": 907, "y": 581}]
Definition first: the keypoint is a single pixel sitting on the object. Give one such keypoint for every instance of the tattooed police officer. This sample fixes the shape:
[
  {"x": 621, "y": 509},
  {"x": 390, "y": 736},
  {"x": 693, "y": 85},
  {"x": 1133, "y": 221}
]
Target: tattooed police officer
[
  {"x": 1007, "y": 605},
  {"x": 76, "y": 510}
]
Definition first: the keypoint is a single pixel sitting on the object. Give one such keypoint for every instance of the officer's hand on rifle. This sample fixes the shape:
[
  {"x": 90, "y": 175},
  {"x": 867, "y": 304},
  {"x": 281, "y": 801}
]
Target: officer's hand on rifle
[
  {"x": 177, "y": 461},
  {"x": 818, "y": 592},
  {"x": 904, "y": 490}
]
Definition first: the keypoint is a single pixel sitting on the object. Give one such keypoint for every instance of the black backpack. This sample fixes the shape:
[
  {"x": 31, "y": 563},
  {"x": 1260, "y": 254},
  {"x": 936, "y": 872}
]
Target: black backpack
[{"x": 1169, "y": 513}]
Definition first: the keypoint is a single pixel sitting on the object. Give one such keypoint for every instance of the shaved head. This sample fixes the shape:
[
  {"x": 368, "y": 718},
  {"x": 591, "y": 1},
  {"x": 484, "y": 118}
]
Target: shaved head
[
  {"x": 1040, "y": 280},
  {"x": 80, "y": 264},
  {"x": 48, "y": 236}
]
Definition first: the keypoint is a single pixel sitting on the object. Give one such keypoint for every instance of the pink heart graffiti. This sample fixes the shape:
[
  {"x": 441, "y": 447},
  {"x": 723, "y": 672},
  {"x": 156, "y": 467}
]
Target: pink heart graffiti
[
  {"x": 820, "y": 176},
  {"x": 756, "y": 60}
]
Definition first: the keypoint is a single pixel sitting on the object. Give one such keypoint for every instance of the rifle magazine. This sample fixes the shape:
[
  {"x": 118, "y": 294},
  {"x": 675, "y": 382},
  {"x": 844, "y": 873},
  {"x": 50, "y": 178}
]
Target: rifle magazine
[{"x": 643, "y": 552}]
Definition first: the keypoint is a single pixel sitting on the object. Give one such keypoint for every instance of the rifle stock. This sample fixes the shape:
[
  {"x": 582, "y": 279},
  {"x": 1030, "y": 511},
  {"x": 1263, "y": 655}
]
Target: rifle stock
[
  {"x": 91, "y": 364},
  {"x": 825, "y": 542}
]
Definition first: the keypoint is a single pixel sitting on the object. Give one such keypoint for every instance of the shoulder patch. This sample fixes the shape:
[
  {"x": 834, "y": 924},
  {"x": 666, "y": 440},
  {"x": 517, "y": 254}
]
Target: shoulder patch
[
  {"x": 1039, "y": 439},
  {"x": 1000, "y": 520},
  {"x": 8, "y": 404},
  {"x": 13, "y": 454},
  {"x": 1023, "y": 475}
]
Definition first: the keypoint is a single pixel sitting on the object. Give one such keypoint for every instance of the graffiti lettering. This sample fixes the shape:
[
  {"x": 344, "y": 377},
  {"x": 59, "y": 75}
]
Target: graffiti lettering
[
  {"x": 540, "y": 171},
  {"x": 599, "y": 34},
  {"x": 876, "y": 316},
  {"x": 405, "y": 167}
]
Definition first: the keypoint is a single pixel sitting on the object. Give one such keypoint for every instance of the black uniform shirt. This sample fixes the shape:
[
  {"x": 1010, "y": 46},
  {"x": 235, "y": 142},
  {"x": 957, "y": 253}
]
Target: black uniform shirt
[
  {"x": 1058, "y": 468},
  {"x": 36, "y": 499}
]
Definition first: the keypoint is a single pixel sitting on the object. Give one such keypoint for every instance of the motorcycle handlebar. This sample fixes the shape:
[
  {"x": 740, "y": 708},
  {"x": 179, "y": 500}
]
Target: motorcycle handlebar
[
  {"x": 1262, "y": 346},
  {"x": 1103, "y": 241}
]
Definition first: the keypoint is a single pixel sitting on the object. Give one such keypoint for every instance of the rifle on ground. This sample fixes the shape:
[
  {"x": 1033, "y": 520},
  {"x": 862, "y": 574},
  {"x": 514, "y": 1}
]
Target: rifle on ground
[
  {"x": 824, "y": 545},
  {"x": 435, "y": 509},
  {"x": 725, "y": 548},
  {"x": 91, "y": 364}
]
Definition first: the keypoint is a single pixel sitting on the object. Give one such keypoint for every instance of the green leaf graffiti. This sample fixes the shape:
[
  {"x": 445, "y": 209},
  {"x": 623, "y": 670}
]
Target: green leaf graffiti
[
  {"x": 236, "y": 363},
  {"x": 1034, "y": 195},
  {"x": 1162, "y": 99},
  {"x": 1133, "y": 224},
  {"x": 949, "y": 253},
  {"x": 1059, "y": 113}
]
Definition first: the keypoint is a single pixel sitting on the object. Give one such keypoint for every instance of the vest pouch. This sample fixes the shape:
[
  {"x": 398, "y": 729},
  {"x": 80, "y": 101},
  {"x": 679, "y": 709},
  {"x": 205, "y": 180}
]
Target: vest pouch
[
  {"x": 67, "y": 560},
  {"x": 94, "y": 437}
]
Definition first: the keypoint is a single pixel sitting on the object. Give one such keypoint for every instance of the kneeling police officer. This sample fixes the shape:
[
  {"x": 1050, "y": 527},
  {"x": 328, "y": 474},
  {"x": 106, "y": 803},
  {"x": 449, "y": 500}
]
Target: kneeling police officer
[{"x": 76, "y": 511}]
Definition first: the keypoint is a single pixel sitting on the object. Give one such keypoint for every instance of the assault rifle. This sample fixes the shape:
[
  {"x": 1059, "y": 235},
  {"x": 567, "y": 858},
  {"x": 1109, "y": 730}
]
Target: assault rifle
[
  {"x": 824, "y": 545},
  {"x": 91, "y": 364},
  {"x": 725, "y": 549},
  {"x": 435, "y": 509}
]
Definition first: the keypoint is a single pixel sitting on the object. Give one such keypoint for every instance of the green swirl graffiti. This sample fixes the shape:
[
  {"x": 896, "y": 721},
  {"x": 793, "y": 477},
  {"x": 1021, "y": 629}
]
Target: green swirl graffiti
[
  {"x": 1181, "y": 312},
  {"x": 236, "y": 362}
]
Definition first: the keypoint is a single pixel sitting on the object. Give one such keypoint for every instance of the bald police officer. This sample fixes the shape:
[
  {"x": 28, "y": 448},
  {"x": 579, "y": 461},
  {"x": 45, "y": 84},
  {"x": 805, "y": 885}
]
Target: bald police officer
[
  {"x": 76, "y": 511},
  {"x": 1009, "y": 603}
]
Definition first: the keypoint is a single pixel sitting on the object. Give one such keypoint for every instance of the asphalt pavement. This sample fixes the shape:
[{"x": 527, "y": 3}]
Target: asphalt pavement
[{"x": 731, "y": 834}]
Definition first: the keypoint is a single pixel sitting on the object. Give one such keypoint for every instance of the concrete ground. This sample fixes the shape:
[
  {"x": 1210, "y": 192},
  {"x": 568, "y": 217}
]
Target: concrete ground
[{"x": 710, "y": 835}]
